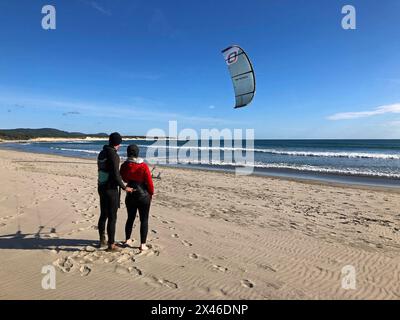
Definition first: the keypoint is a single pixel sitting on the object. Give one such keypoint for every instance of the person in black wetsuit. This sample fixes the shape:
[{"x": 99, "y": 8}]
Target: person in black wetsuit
[{"x": 109, "y": 182}]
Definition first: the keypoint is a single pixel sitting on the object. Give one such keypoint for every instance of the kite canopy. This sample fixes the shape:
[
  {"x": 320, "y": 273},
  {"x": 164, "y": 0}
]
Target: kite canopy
[{"x": 242, "y": 73}]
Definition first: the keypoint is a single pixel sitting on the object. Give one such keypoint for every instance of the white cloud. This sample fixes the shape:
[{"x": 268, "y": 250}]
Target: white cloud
[{"x": 392, "y": 108}]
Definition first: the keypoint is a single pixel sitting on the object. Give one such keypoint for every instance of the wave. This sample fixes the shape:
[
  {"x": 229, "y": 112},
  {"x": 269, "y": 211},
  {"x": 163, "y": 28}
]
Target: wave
[
  {"x": 286, "y": 166},
  {"x": 76, "y": 150},
  {"x": 261, "y": 165},
  {"x": 78, "y": 142},
  {"x": 339, "y": 171},
  {"x": 363, "y": 155}
]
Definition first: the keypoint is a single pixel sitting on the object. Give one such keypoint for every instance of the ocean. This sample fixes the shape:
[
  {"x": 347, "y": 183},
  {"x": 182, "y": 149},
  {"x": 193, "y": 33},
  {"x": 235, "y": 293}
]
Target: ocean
[{"x": 368, "y": 162}]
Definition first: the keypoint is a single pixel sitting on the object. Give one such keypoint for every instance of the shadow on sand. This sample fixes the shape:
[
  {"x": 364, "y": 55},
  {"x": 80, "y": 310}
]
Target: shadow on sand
[{"x": 32, "y": 241}]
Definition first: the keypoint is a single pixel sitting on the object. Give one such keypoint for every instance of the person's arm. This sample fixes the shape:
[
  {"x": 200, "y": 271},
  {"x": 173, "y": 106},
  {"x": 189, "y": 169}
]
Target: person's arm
[
  {"x": 149, "y": 180},
  {"x": 123, "y": 172},
  {"x": 115, "y": 169}
]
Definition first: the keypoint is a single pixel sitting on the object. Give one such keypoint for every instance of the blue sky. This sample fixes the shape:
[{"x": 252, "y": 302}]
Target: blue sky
[{"x": 132, "y": 66}]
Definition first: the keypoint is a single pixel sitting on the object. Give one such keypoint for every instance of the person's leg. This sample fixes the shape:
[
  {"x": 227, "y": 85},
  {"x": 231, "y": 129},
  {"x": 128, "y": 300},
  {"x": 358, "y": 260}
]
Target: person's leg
[
  {"x": 131, "y": 208},
  {"x": 103, "y": 214},
  {"x": 144, "y": 210},
  {"x": 113, "y": 202}
]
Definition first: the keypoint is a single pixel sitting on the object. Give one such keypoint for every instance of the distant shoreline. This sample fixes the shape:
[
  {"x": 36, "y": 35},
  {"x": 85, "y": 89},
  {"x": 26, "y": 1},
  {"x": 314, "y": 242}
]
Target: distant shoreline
[
  {"x": 49, "y": 139},
  {"x": 55, "y": 135}
]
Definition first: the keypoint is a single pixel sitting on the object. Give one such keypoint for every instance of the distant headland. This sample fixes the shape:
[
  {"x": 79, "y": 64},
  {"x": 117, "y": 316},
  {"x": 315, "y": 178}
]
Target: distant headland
[{"x": 50, "y": 134}]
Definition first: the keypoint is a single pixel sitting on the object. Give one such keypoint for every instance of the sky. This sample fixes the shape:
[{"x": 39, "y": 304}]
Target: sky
[{"x": 131, "y": 66}]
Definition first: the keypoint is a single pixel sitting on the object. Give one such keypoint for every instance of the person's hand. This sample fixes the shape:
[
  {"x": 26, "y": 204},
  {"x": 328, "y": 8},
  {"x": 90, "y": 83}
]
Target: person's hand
[{"x": 129, "y": 189}]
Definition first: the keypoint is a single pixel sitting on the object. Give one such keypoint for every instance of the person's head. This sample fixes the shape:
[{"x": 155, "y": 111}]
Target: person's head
[
  {"x": 115, "y": 140},
  {"x": 132, "y": 151}
]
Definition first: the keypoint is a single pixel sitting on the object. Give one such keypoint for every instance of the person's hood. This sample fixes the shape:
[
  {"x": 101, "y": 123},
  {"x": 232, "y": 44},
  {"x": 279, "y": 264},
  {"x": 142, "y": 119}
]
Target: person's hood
[
  {"x": 109, "y": 148},
  {"x": 135, "y": 160}
]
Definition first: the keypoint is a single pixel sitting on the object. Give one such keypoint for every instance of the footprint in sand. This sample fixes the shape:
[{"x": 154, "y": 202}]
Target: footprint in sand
[
  {"x": 211, "y": 291},
  {"x": 157, "y": 283},
  {"x": 175, "y": 235},
  {"x": 135, "y": 271},
  {"x": 266, "y": 267},
  {"x": 152, "y": 282},
  {"x": 124, "y": 258},
  {"x": 275, "y": 286},
  {"x": 169, "y": 284},
  {"x": 186, "y": 243},
  {"x": 87, "y": 259},
  {"x": 247, "y": 284},
  {"x": 65, "y": 264},
  {"x": 219, "y": 268},
  {"x": 109, "y": 260},
  {"x": 6, "y": 218},
  {"x": 85, "y": 270},
  {"x": 149, "y": 253},
  {"x": 121, "y": 270},
  {"x": 197, "y": 257}
]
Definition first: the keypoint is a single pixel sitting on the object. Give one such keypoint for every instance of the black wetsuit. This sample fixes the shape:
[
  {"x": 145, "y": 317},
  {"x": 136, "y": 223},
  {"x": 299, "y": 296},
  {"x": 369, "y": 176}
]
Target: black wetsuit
[
  {"x": 132, "y": 206},
  {"x": 109, "y": 192}
]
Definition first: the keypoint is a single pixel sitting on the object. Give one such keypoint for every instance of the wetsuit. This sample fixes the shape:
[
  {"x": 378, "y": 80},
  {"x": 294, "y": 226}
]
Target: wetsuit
[
  {"x": 108, "y": 165},
  {"x": 136, "y": 171}
]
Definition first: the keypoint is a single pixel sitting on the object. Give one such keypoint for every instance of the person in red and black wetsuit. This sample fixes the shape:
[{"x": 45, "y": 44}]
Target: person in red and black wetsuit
[{"x": 136, "y": 173}]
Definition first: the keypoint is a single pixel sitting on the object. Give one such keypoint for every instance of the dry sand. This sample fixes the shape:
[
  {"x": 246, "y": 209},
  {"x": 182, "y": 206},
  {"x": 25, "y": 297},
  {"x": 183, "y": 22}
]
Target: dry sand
[{"x": 212, "y": 236}]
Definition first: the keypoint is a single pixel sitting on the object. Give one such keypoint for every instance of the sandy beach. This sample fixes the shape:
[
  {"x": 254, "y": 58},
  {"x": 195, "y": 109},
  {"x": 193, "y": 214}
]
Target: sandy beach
[{"x": 213, "y": 235}]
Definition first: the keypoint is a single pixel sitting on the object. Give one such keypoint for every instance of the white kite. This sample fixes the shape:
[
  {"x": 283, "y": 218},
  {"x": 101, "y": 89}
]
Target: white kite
[{"x": 242, "y": 73}]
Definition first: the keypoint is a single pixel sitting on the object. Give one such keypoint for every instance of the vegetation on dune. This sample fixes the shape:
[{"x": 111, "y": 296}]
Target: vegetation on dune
[{"x": 26, "y": 134}]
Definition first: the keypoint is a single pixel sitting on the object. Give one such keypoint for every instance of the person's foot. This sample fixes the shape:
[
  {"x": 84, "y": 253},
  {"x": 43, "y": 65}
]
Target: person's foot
[
  {"x": 113, "y": 248},
  {"x": 143, "y": 247},
  {"x": 103, "y": 242},
  {"x": 129, "y": 243}
]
